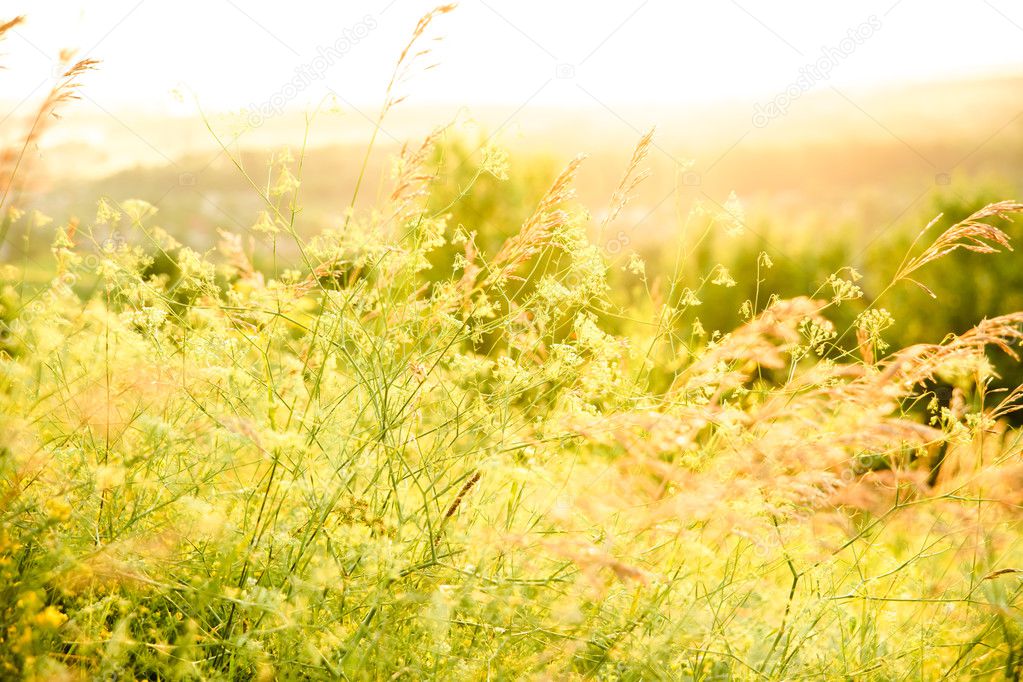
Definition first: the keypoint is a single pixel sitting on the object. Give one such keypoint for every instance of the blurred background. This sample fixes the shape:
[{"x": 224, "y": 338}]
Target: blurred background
[{"x": 829, "y": 135}]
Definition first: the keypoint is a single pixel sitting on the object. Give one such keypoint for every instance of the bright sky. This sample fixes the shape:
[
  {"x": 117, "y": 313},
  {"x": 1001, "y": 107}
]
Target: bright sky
[{"x": 238, "y": 53}]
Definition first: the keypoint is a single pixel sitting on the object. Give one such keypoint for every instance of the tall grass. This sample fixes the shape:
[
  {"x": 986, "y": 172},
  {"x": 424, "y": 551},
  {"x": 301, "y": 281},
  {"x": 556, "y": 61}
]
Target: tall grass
[{"x": 376, "y": 462}]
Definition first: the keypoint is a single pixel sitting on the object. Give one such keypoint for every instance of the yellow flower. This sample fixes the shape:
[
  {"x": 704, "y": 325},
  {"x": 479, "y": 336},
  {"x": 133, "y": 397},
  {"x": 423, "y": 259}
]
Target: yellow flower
[
  {"x": 50, "y": 617},
  {"x": 495, "y": 161},
  {"x": 265, "y": 224},
  {"x": 286, "y": 182},
  {"x": 106, "y": 214},
  {"x": 722, "y": 277},
  {"x": 109, "y": 476},
  {"x": 59, "y": 509}
]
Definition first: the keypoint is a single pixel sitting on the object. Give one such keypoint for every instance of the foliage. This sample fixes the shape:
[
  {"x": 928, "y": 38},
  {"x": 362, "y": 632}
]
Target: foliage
[{"x": 455, "y": 439}]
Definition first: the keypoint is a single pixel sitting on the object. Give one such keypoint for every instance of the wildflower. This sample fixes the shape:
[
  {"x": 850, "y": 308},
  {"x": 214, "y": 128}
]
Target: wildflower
[
  {"x": 286, "y": 182},
  {"x": 635, "y": 265},
  {"x": 552, "y": 292},
  {"x": 106, "y": 214},
  {"x": 979, "y": 421},
  {"x": 265, "y": 224},
  {"x": 871, "y": 323},
  {"x": 50, "y": 617},
  {"x": 58, "y": 509},
  {"x": 844, "y": 289},
  {"x": 40, "y": 219},
  {"x": 109, "y": 476},
  {"x": 194, "y": 267},
  {"x": 722, "y": 277},
  {"x": 817, "y": 331},
  {"x": 746, "y": 310},
  {"x": 137, "y": 209},
  {"x": 164, "y": 240},
  {"x": 688, "y": 298},
  {"x": 733, "y": 216},
  {"x": 149, "y": 318},
  {"x": 63, "y": 249},
  {"x": 495, "y": 161},
  {"x": 966, "y": 371},
  {"x": 460, "y": 236}
]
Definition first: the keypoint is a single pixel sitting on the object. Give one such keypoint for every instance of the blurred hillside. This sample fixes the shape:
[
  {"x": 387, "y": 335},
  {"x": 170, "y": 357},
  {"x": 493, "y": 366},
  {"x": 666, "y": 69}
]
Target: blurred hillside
[{"x": 837, "y": 160}]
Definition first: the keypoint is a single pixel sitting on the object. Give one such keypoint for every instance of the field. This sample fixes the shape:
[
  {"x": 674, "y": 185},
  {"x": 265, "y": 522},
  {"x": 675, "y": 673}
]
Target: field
[{"x": 479, "y": 426}]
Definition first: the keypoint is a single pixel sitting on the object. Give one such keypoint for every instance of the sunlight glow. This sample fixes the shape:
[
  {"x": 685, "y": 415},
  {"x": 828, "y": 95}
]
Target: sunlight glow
[{"x": 234, "y": 54}]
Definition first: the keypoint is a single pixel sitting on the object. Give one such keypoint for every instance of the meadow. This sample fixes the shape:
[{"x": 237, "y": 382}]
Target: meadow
[{"x": 469, "y": 431}]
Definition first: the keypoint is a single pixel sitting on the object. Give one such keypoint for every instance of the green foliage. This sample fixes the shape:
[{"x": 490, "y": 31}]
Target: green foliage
[{"x": 411, "y": 452}]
